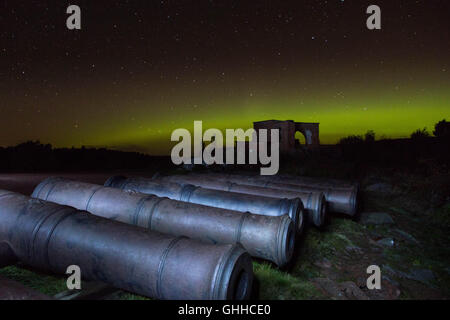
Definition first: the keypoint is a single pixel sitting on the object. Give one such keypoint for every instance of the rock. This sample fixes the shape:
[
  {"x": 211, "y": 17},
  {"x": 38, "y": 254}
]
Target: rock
[
  {"x": 324, "y": 263},
  {"x": 352, "y": 291},
  {"x": 330, "y": 288},
  {"x": 340, "y": 291},
  {"x": 390, "y": 288},
  {"x": 361, "y": 282},
  {"x": 406, "y": 236},
  {"x": 400, "y": 210},
  {"x": 391, "y": 281},
  {"x": 376, "y": 218},
  {"x": 354, "y": 250},
  {"x": 422, "y": 275},
  {"x": 388, "y": 242},
  {"x": 380, "y": 187},
  {"x": 387, "y": 268}
]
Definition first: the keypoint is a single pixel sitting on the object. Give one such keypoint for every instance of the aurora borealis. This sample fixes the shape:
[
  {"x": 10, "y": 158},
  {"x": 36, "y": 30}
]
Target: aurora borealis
[{"x": 140, "y": 69}]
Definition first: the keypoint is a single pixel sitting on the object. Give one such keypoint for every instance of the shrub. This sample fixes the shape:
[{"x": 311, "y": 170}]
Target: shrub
[
  {"x": 369, "y": 137},
  {"x": 442, "y": 129},
  {"x": 420, "y": 134}
]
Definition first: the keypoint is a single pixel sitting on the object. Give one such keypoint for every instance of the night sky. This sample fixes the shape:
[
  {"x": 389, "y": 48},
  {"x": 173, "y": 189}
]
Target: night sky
[{"x": 139, "y": 69}]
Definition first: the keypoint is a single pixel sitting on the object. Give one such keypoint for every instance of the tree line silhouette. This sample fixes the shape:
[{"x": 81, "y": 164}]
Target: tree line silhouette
[
  {"x": 35, "y": 156},
  {"x": 421, "y": 146}
]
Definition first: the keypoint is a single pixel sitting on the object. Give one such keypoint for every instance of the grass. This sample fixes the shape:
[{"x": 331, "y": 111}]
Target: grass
[
  {"x": 50, "y": 284},
  {"x": 130, "y": 296},
  {"x": 47, "y": 284},
  {"x": 279, "y": 285}
]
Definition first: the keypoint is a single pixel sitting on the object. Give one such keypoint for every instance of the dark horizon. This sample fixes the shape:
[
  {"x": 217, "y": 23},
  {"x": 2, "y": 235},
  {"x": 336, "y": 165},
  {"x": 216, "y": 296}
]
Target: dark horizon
[{"x": 421, "y": 132}]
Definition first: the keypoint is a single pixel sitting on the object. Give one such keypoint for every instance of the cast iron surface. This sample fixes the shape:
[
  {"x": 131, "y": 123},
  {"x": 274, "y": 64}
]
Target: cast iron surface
[
  {"x": 270, "y": 238},
  {"x": 7, "y": 256},
  {"x": 255, "y": 204},
  {"x": 314, "y": 202},
  {"x": 51, "y": 237},
  {"x": 342, "y": 200}
]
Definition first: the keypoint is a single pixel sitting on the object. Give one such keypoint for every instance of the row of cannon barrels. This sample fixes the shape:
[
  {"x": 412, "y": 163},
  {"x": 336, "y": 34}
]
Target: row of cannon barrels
[
  {"x": 170, "y": 237},
  {"x": 51, "y": 237},
  {"x": 267, "y": 237},
  {"x": 341, "y": 196}
]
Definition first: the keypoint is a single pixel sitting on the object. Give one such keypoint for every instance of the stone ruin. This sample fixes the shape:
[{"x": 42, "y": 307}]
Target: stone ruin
[{"x": 288, "y": 129}]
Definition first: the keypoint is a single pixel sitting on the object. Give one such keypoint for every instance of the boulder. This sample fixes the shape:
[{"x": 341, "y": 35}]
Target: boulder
[
  {"x": 376, "y": 218},
  {"x": 380, "y": 187}
]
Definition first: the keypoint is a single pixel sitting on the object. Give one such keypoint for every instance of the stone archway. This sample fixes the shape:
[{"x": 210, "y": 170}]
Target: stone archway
[
  {"x": 310, "y": 132},
  {"x": 300, "y": 139},
  {"x": 292, "y": 134}
]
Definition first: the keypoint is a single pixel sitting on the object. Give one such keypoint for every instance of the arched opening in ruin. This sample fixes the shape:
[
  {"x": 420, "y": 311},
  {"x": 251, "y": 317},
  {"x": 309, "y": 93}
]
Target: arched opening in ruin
[{"x": 300, "y": 139}]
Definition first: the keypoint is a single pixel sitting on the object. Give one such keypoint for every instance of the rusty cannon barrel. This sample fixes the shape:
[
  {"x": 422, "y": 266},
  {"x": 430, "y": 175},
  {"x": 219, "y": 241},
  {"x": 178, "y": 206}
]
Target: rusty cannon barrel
[
  {"x": 339, "y": 200},
  {"x": 304, "y": 181},
  {"x": 7, "y": 256},
  {"x": 270, "y": 238},
  {"x": 51, "y": 237},
  {"x": 314, "y": 202},
  {"x": 318, "y": 182},
  {"x": 13, "y": 290},
  {"x": 214, "y": 198}
]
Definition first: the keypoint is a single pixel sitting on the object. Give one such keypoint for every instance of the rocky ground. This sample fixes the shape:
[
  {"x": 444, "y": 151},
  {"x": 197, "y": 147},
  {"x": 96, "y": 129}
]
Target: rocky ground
[{"x": 403, "y": 228}]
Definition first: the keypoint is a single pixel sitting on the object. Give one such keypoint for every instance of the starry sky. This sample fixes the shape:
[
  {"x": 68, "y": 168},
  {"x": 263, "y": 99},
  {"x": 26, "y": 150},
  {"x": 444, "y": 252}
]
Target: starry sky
[{"x": 139, "y": 69}]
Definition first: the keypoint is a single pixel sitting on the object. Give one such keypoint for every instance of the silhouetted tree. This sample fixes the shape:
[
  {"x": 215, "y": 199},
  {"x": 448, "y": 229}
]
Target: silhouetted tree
[
  {"x": 34, "y": 156},
  {"x": 442, "y": 129},
  {"x": 351, "y": 146},
  {"x": 351, "y": 140},
  {"x": 369, "y": 136},
  {"x": 420, "y": 134}
]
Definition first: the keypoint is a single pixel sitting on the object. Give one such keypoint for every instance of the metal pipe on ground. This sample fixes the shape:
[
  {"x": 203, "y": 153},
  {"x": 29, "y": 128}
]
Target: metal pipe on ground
[
  {"x": 318, "y": 182},
  {"x": 270, "y": 238},
  {"x": 226, "y": 200},
  {"x": 51, "y": 237},
  {"x": 301, "y": 180},
  {"x": 13, "y": 290},
  {"x": 314, "y": 202},
  {"x": 7, "y": 256},
  {"x": 339, "y": 200}
]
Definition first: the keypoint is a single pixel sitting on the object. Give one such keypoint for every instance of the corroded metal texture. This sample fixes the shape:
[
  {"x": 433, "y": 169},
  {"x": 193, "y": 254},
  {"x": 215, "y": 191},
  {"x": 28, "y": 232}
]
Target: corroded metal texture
[
  {"x": 52, "y": 237},
  {"x": 270, "y": 238},
  {"x": 314, "y": 202},
  {"x": 13, "y": 290},
  {"x": 7, "y": 256},
  {"x": 310, "y": 181},
  {"x": 342, "y": 200},
  {"x": 227, "y": 200}
]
